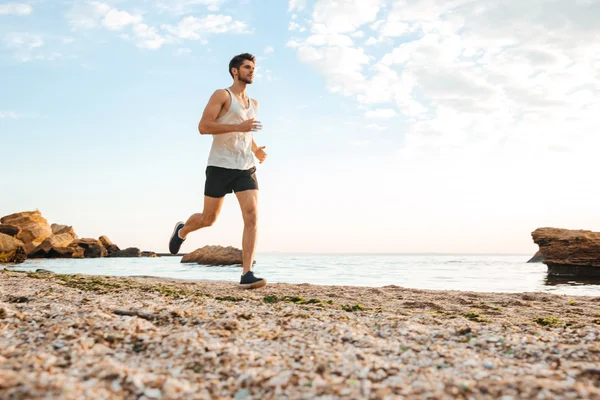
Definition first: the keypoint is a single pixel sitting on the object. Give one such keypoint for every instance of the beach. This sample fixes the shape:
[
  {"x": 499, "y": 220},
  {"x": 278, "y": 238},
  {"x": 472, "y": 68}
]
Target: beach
[{"x": 102, "y": 337}]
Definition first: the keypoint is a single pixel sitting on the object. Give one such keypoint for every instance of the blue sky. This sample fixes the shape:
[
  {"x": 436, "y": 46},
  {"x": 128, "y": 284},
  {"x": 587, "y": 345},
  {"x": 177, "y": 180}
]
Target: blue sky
[{"x": 391, "y": 126}]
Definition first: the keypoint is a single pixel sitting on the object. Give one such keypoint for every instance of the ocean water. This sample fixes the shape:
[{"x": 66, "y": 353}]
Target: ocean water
[{"x": 472, "y": 272}]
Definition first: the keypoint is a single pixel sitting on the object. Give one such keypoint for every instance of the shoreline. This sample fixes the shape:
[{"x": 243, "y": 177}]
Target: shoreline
[{"x": 86, "y": 336}]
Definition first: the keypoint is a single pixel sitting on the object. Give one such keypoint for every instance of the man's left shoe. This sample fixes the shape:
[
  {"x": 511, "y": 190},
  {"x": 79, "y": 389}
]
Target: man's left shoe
[
  {"x": 249, "y": 281},
  {"x": 175, "y": 242}
]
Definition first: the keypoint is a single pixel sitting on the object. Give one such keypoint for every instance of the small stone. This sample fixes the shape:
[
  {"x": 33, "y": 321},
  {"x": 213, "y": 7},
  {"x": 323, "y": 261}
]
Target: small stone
[
  {"x": 242, "y": 394},
  {"x": 153, "y": 393}
]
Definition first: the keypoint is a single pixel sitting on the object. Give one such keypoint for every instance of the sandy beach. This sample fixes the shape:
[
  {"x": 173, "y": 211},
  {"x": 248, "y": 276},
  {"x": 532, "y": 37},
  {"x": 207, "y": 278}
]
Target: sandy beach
[{"x": 92, "y": 337}]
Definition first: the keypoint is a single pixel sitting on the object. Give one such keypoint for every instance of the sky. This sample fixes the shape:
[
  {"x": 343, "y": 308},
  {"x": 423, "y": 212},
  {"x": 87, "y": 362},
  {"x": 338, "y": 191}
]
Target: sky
[{"x": 391, "y": 126}]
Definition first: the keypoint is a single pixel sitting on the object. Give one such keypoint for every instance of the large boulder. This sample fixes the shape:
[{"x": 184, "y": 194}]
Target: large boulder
[
  {"x": 10, "y": 230},
  {"x": 128, "y": 252},
  {"x": 56, "y": 246},
  {"x": 214, "y": 255},
  {"x": 11, "y": 250},
  {"x": 92, "y": 248},
  {"x": 566, "y": 252},
  {"x": 109, "y": 245},
  {"x": 34, "y": 228}
]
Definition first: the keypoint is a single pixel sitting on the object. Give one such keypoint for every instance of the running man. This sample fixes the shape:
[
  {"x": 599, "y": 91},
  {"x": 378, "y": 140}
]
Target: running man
[{"x": 229, "y": 117}]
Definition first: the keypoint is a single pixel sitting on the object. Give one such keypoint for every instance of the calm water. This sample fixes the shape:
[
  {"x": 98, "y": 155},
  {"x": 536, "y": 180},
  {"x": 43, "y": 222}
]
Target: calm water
[{"x": 482, "y": 273}]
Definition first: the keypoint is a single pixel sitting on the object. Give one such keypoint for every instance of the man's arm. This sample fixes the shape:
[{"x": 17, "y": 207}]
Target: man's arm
[{"x": 208, "y": 123}]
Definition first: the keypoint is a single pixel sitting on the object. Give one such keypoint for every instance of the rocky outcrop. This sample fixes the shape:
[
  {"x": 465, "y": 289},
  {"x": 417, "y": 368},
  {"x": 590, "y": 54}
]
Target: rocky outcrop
[
  {"x": 34, "y": 238},
  {"x": 537, "y": 258},
  {"x": 567, "y": 252},
  {"x": 34, "y": 228},
  {"x": 214, "y": 255},
  {"x": 12, "y": 250}
]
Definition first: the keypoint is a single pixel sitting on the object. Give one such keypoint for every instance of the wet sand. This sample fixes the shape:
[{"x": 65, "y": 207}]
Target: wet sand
[{"x": 79, "y": 337}]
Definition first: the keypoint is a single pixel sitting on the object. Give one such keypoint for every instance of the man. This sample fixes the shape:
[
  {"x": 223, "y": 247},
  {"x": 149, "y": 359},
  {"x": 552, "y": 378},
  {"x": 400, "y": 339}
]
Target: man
[{"x": 229, "y": 117}]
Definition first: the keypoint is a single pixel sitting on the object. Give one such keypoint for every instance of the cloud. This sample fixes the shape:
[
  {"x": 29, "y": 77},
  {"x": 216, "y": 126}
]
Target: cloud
[
  {"x": 343, "y": 16},
  {"x": 269, "y": 50},
  {"x": 381, "y": 113},
  {"x": 182, "y": 51},
  {"x": 9, "y": 114},
  {"x": 15, "y": 9},
  {"x": 15, "y": 115},
  {"x": 469, "y": 76},
  {"x": 376, "y": 127},
  {"x": 147, "y": 37},
  {"x": 294, "y": 26},
  {"x": 297, "y": 5},
  {"x": 179, "y": 7},
  {"x": 95, "y": 14},
  {"x": 26, "y": 47},
  {"x": 20, "y": 40},
  {"x": 195, "y": 28}
]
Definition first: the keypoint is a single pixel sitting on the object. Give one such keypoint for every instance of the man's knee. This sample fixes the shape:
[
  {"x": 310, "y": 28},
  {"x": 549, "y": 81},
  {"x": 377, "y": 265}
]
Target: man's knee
[
  {"x": 209, "y": 219},
  {"x": 250, "y": 218}
]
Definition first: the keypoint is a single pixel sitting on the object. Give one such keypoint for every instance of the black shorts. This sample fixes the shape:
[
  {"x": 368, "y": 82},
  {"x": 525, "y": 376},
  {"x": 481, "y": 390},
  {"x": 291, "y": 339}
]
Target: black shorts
[{"x": 220, "y": 181}]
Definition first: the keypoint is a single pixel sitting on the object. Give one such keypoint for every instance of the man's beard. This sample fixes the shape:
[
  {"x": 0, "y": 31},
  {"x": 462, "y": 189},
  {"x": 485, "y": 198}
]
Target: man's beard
[{"x": 246, "y": 80}]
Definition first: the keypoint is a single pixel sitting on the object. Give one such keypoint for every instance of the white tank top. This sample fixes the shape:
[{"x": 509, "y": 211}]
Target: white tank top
[{"x": 233, "y": 150}]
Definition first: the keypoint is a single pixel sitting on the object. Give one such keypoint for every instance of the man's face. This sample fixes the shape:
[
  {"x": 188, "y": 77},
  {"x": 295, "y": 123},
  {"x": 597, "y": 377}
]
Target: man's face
[{"x": 246, "y": 72}]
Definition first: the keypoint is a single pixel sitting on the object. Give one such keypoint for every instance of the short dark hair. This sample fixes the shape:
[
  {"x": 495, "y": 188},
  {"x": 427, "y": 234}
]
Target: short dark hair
[{"x": 238, "y": 60}]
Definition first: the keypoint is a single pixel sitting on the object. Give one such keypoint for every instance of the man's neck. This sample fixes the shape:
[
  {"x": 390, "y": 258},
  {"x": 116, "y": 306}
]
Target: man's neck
[{"x": 239, "y": 88}]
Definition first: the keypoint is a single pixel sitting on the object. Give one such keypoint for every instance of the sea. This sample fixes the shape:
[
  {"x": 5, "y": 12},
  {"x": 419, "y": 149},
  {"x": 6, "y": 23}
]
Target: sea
[{"x": 464, "y": 272}]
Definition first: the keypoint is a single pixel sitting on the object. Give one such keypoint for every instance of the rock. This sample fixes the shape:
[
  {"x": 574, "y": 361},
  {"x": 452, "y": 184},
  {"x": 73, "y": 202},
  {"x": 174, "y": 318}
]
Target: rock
[
  {"x": 92, "y": 248},
  {"x": 54, "y": 246},
  {"x": 149, "y": 254},
  {"x": 109, "y": 245},
  {"x": 56, "y": 228},
  {"x": 44, "y": 271},
  {"x": 46, "y": 250},
  {"x": 537, "y": 258},
  {"x": 112, "y": 250},
  {"x": 62, "y": 229},
  {"x": 128, "y": 252},
  {"x": 62, "y": 239},
  {"x": 214, "y": 255},
  {"x": 10, "y": 230},
  {"x": 11, "y": 250},
  {"x": 574, "y": 253},
  {"x": 105, "y": 241},
  {"x": 34, "y": 228}
]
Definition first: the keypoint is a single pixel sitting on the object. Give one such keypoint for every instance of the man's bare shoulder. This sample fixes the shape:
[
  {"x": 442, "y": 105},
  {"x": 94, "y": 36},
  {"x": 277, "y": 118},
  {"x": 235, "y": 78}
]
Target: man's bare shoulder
[{"x": 220, "y": 94}]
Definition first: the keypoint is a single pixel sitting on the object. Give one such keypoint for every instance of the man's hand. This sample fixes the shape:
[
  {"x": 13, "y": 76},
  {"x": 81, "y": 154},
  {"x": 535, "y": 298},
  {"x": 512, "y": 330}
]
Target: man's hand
[
  {"x": 260, "y": 154},
  {"x": 250, "y": 125}
]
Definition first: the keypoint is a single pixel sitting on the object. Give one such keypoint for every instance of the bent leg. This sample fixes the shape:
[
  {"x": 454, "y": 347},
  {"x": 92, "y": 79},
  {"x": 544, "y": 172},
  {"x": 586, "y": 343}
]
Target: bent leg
[
  {"x": 248, "y": 200},
  {"x": 208, "y": 216}
]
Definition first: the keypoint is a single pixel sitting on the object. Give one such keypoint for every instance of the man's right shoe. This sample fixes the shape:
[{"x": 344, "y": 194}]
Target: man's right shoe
[
  {"x": 249, "y": 281},
  {"x": 175, "y": 241}
]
